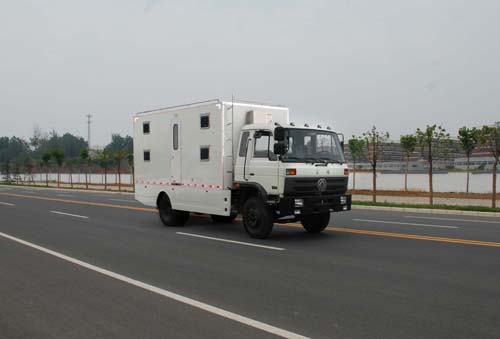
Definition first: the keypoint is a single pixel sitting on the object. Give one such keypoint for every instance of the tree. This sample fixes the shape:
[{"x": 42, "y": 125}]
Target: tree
[
  {"x": 46, "y": 162},
  {"x": 120, "y": 143},
  {"x": 408, "y": 144},
  {"x": 469, "y": 138},
  {"x": 103, "y": 159},
  {"x": 356, "y": 147},
  {"x": 29, "y": 165},
  {"x": 431, "y": 141},
  {"x": 70, "y": 164},
  {"x": 130, "y": 160},
  {"x": 85, "y": 158},
  {"x": 375, "y": 142},
  {"x": 58, "y": 156},
  {"x": 17, "y": 172},
  {"x": 6, "y": 171},
  {"x": 119, "y": 156},
  {"x": 490, "y": 138},
  {"x": 38, "y": 137}
]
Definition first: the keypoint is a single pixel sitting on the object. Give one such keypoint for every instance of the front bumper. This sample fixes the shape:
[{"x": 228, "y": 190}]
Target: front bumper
[{"x": 314, "y": 204}]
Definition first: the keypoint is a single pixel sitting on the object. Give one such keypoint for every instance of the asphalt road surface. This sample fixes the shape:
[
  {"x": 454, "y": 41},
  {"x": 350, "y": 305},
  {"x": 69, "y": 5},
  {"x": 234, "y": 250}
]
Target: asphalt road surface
[{"x": 90, "y": 265}]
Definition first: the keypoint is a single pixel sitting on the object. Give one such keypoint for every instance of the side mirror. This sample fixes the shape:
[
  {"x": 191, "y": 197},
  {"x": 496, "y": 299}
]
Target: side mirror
[
  {"x": 342, "y": 145},
  {"x": 279, "y": 148},
  {"x": 279, "y": 134}
]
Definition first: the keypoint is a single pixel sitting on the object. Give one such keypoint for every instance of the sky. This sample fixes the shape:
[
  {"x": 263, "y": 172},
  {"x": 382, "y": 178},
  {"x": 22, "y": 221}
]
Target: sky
[{"x": 349, "y": 64}]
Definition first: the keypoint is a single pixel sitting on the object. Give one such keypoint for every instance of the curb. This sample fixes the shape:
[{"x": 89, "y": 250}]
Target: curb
[{"x": 427, "y": 210}]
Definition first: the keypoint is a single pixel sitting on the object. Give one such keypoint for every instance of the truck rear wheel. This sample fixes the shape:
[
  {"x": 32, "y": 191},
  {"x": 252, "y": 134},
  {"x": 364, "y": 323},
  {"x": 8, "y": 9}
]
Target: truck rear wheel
[
  {"x": 223, "y": 218},
  {"x": 257, "y": 218},
  {"x": 315, "y": 223},
  {"x": 169, "y": 216}
]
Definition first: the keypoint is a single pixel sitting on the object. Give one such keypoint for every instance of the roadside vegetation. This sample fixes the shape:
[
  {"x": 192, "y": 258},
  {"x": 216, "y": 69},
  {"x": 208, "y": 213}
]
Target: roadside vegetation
[
  {"x": 425, "y": 206},
  {"x": 49, "y": 153}
]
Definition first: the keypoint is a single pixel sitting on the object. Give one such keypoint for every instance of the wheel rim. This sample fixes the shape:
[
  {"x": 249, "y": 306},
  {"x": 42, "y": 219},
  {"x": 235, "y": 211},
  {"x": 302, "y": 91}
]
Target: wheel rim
[{"x": 253, "y": 218}]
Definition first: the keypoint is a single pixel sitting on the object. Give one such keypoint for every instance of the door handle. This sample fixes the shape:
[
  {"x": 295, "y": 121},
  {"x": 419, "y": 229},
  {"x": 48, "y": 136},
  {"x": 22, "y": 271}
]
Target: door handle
[{"x": 251, "y": 174}]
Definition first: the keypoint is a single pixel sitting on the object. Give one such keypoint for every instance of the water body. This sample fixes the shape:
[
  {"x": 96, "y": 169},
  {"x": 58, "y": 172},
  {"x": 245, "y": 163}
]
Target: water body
[{"x": 445, "y": 182}]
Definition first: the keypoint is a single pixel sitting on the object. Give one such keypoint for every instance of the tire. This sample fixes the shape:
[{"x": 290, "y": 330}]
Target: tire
[
  {"x": 170, "y": 217},
  {"x": 223, "y": 218},
  {"x": 315, "y": 223},
  {"x": 257, "y": 218}
]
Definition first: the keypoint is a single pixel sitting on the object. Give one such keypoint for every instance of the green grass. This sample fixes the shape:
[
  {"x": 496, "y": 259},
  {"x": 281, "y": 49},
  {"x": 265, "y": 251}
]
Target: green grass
[{"x": 437, "y": 207}]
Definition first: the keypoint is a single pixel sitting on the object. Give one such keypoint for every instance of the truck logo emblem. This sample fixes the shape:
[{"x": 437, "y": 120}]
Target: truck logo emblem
[{"x": 322, "y": 185}]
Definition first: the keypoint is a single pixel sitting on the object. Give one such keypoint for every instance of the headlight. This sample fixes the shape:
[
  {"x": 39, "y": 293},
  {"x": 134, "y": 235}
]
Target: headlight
[
  {"x": 299, "y": 203},
  {"x": 343, "y": 200}
]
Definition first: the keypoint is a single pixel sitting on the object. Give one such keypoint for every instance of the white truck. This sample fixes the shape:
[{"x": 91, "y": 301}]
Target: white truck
[{"x": 228, "y": 158}]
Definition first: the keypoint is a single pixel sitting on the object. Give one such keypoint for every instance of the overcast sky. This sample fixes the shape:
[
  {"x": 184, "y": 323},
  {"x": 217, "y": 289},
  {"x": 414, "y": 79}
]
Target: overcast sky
[{"x": 349, "y": 64}]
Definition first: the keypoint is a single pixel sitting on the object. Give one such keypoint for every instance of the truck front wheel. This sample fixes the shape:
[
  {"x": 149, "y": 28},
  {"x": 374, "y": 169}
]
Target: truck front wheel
[
  {"x": 257, "y": 218},
  {"x": 315, "y": 223},
  {"x": 169, "y": 216}
]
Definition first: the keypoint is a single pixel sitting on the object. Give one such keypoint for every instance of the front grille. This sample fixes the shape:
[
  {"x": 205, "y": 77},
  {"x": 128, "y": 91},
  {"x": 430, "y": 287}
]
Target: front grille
[{"x": 302, "y": 187}]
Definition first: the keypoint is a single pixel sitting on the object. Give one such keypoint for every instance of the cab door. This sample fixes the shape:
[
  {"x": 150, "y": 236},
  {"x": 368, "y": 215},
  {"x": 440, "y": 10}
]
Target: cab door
[{"x": 262, "y": 163}]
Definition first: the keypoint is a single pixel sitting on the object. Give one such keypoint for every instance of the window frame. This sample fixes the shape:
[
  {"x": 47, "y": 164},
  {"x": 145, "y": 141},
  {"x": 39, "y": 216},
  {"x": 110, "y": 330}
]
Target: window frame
[
  {"x": 269, "y": 135},
  {"x": 243, "y": 144},
  {"x": 175, "y": 136},
  {"x": 205, "y": 115},
  {"x": 144, "y": 124},
  {"x": 207, "y": 147}
]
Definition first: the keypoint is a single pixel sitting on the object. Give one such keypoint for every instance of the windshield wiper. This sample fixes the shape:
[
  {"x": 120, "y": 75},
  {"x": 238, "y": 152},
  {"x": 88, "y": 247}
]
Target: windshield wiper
[
  {"x": 313, "y": 160},
  {"x": 332, "y": 160}
]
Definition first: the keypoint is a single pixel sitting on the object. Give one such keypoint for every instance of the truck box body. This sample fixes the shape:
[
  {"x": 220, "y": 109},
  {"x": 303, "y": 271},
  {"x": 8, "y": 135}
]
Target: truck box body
[{"x": 189, "y": 151}]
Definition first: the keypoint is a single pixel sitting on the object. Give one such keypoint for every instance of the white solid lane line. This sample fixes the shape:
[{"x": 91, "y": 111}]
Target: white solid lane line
[
  {"x": 403, "y": 223},
  {"x": 165, "y": 293},
  {"x": 452, "y": 219},
  {"x": 231, "y": 241},
  {"x": 65, "y": 195},
  {"x": 70, "y": 215},
  {"x": 6, "y": 204}
]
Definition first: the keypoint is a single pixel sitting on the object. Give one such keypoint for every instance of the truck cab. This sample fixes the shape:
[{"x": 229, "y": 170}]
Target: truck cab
[{"x": 297, "y": 173}]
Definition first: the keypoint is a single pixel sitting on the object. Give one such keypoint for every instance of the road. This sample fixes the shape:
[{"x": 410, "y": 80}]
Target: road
[{"x": 84, "y": 264}]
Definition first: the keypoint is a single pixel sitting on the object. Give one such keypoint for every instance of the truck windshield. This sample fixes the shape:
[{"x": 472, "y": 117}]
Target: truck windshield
[{"x": 305, "y": 145}]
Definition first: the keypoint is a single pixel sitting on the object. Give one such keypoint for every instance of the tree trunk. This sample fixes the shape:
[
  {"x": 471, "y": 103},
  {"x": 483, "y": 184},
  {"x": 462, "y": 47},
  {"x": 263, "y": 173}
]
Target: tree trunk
[
  {"x": 406, "y": 173},
  {"x": 468, "y": 172},
  {"x": 71, "y": 178},
  {"x": 494, "y": 188},
  {"x": 58, "y": 177},
  {"x": 119, "y": 178},
  {"x": 374, "y": 168},
  {"x": 105, "y": 178},
  {"x": 431, "y": 191},
  {"x": 47, "y": 178},
  {"x": 353, "y": 175},
  {"x": 86, "y": 179},
  {"x": 133, "y": 178}
]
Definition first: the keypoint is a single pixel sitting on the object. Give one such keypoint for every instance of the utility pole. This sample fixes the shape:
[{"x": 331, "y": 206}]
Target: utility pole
[{"x": 89, "y": 121}]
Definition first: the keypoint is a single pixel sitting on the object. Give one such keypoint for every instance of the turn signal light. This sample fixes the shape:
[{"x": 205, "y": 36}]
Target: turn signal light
[
  {"x": 346, "y": 171},
  {"x": 291, "y": 171}
]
